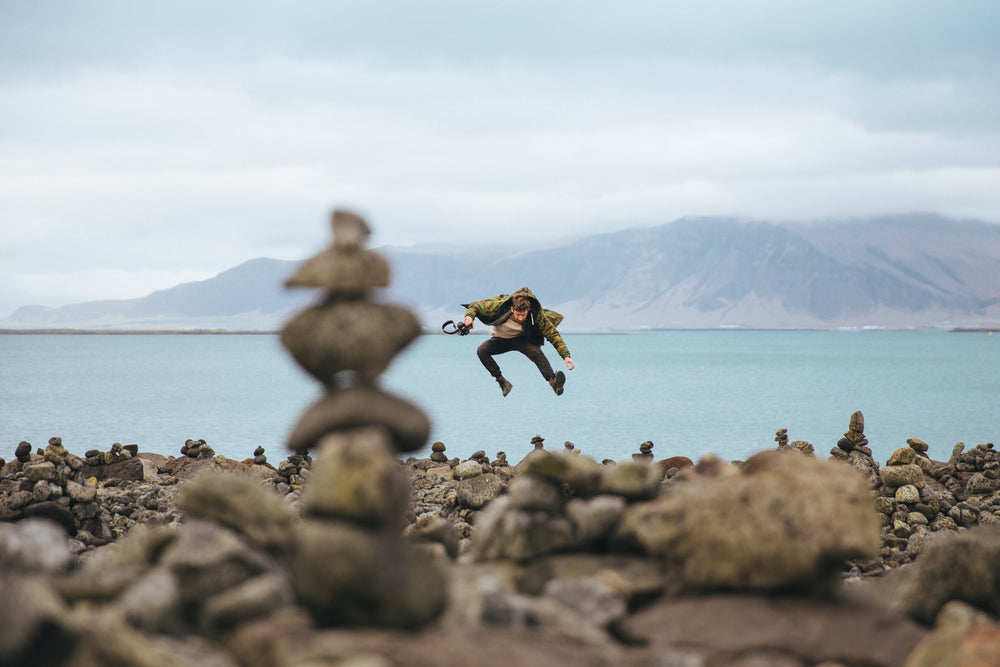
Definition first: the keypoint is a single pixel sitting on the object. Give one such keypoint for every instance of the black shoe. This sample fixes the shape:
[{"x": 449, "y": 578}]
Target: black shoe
[
  {"x": 505, "y": 386},
  {"x": 557, "y": 383}
]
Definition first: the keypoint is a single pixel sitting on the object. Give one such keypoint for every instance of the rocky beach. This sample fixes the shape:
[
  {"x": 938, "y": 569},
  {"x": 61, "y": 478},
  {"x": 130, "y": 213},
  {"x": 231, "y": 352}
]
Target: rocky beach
[{"x": 347, "y": 550}]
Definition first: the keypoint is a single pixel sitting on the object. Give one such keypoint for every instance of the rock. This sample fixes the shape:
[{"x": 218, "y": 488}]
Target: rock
[
  {"x": 917, "y": 445},
  {"x": 592, "y": 598},
  {"x": 475, "y": 492},
  {"x": 503, "y": 531},
  {"x": 127, "y": 470},
  {"x": 352, "y": 336},
  {"x": 963, "y": 567},
  {"x": 255, "y": 598},
  {"x": 34, "y": 621},
  {"x": 780, "y": 628},
  {"x": 339, "y": 272},
  {"x": 902, "y": 456},
  {"x": 53, "y": 511},
  {"x": 23, "y": 452},
  {"x": 208, "y": 558},
  {"x": 908, "y": 494},
  {"x": 675, "y": 462},
  {"x": 532, "y": 493},
  {"x": 240, "y": 503},
  {"x": 357, "y": 478},
  {"x": 348, "y": 576},
  {"x": 467, "y": 469},
  {"x": 33, "y": 545},
  {"x": 740, "y": 531},
  {"x": 594, "y": 519},
  {"x": 357, "y": 407},
  {"x": 579, "y": 472},
  {"x": 901, "y": 475},
  {"x": 631, "y": 479},
  {"x": 35, "y": 472},
  {"x": 80, "y": 493},
  {"x": 153, "y": 602}
]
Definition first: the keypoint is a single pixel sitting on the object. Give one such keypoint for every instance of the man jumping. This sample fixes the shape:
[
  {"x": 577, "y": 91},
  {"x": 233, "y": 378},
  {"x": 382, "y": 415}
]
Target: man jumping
[{"x": 519, "y": 323}]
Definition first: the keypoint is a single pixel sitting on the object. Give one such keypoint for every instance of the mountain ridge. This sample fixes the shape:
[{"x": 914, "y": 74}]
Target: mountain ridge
[{"x": 906, "y": 271}]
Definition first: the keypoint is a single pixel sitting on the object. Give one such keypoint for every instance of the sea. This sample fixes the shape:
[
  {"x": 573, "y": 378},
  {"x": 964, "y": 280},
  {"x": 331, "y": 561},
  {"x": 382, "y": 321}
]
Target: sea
[{"x": 690, "y": 393}]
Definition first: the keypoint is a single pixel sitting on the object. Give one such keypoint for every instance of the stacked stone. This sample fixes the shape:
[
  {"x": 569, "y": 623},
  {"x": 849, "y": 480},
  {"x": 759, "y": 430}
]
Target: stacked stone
[
  {"x": 197, "y": 449},
  {"x": 781, "y": 437},
  {"x": 293, "y": 473},
  {"x": 259, "y": 458},
  {"x": 560, "y": 502},
  {"x": 479, "y": 456},
  {"x": 538, "y": 441},
  {"x": 853, "y": 449},
  {"x": 802, "y": 446},
  {"x": 645, "y": 452},
  {"x": 118, "y": 452},
  {"x": 53, "y": 485},
  {"x": 437, "y": 452},
  {"x": 500, "y": 461},
  {"x": 571, "y": 448},
  {"x": 351, "y": 566}
]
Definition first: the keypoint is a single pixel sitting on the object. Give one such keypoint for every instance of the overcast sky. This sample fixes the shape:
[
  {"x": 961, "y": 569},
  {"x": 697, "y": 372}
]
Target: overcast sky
[{"x": 144, "y": 144}]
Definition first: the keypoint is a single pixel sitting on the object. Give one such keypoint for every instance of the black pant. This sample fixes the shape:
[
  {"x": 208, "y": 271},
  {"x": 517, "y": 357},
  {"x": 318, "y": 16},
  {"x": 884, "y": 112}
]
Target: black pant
[{"x": 494, "y": 345}]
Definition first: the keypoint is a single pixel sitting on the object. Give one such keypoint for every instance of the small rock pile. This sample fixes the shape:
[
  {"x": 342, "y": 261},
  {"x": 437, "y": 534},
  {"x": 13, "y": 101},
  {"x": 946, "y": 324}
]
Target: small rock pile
[
  {"x": 853, "y": 449},
  {"x": 118, "y": 452},
  {"x": 351, "y": 566},
  {"x": 54, "y": 485},
  {"x": 293, "y": 473},
  {"x": 645, "y": 452},
  {"x": 197, "y": 449}
]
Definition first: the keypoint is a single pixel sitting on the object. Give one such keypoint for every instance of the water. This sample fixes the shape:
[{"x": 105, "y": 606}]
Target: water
[{"x": 724, "y": 392}]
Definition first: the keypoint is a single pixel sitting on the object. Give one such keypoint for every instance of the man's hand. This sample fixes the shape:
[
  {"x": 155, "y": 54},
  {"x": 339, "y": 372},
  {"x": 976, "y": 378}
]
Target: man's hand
[
  {"x": 569, "y": 363},
  {"x": 467, "y": 321}
]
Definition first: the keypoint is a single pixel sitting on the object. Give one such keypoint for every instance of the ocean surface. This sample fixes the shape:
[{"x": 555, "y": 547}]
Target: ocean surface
[{"x": 689, "y": 392}]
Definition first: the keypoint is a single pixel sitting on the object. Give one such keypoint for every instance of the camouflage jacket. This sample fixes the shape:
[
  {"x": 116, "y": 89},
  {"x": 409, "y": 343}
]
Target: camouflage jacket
[{"x": 540, "y": 324}]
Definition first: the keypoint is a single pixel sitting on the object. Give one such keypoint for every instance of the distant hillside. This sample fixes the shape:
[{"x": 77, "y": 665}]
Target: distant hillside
[{"x": 902, "y": 271}]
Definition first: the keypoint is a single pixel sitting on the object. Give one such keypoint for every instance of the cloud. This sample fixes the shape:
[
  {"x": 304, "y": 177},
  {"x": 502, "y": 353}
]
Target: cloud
[{"x": 133, "y": 144}]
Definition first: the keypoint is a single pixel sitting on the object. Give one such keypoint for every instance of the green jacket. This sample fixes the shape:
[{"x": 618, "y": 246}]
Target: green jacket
[{"x": 541, "y": 323}]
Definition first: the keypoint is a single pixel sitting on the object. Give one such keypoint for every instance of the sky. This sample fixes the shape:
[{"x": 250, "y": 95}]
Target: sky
[{"x": 146, "y": 144}]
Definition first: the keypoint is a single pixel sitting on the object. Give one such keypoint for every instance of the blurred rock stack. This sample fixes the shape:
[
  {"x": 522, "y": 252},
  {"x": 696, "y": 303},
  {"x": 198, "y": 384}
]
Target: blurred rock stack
[{"x": 351, "y": 565}]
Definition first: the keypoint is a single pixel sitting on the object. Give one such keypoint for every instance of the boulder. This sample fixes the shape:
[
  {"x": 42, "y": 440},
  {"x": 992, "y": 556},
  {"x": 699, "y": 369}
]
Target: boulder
[
  {"x": 346, "y": 575},
  {"x": 475, "y": 492},
  {"x": 785, "y": 521},
  {"x": 357, "y": 478}
]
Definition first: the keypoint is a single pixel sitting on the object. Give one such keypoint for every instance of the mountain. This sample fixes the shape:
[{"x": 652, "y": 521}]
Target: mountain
[{"x": 893, "y": 272}]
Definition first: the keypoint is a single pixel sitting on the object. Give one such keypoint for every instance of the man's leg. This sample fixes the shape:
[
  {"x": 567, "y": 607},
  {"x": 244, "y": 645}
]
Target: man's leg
[
  {"x": 534, "y": 352},
  {"x": 492, "y": 346}
]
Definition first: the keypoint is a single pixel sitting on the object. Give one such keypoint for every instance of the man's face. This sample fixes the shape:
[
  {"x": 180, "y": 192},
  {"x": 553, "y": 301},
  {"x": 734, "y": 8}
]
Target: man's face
[{"x": 519, "y": 315}]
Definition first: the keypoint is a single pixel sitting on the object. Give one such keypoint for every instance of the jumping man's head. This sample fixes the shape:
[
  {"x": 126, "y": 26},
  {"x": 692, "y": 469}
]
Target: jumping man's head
[{"x": 519, "y": 308}]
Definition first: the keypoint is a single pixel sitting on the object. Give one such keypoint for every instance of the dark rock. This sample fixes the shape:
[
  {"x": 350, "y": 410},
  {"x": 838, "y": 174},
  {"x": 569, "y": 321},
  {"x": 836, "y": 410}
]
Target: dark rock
[{"x": 55, "y": 512}]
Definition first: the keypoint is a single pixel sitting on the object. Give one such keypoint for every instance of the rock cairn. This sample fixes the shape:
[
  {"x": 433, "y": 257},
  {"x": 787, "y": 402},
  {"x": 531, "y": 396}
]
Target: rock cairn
[
  {"x": 781, "y": 437},
  {"x": 500, "y": 461},
  {"x": 437, "y": 453},
  {"x": 571, "y": 448},
  {"x": 919, "y": 497},
  {"x": 645, "y": 452},
  {"x": 853, "y": 448},
  {"x": 197, "y": 449},
  {"x": 351, "y": 565},
  {"x": 538, "y": 441},
  {"x": 293, "y": 473},
  {"x": 259, "y": 458}
]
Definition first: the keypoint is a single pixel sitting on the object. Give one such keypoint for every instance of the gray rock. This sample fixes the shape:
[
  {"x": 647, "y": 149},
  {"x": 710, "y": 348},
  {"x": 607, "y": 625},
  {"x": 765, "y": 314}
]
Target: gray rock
[
  {"x": 504, "y": 531},
  {"x": 357, "y": 478},
  {"x": 595, "y": 518},
  {"x": 33, "y": 545},
  {"x": 80, "y": 493},
  {"x": 254, "y": 598},
  {"x": 239, "y": 502},
  {"x": 591, "y": 598},
  {"x": 901, "y": 475},
  {"x": 33, "y": 618},
  {"x": 475, "y": 492},
  {"x": 346, "y": 575},
  {"x": 153, "y": 602},
  {"x": 528, "y": 492},
  {"x": 964, "y": 567},
  {"x": 631, "y": 479},
  {"x": 349, "y": 336},
  {"x": 358, "y": 407},
  {"x": 741, "y": 532},
  {"x": 467, "y": 469}
]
